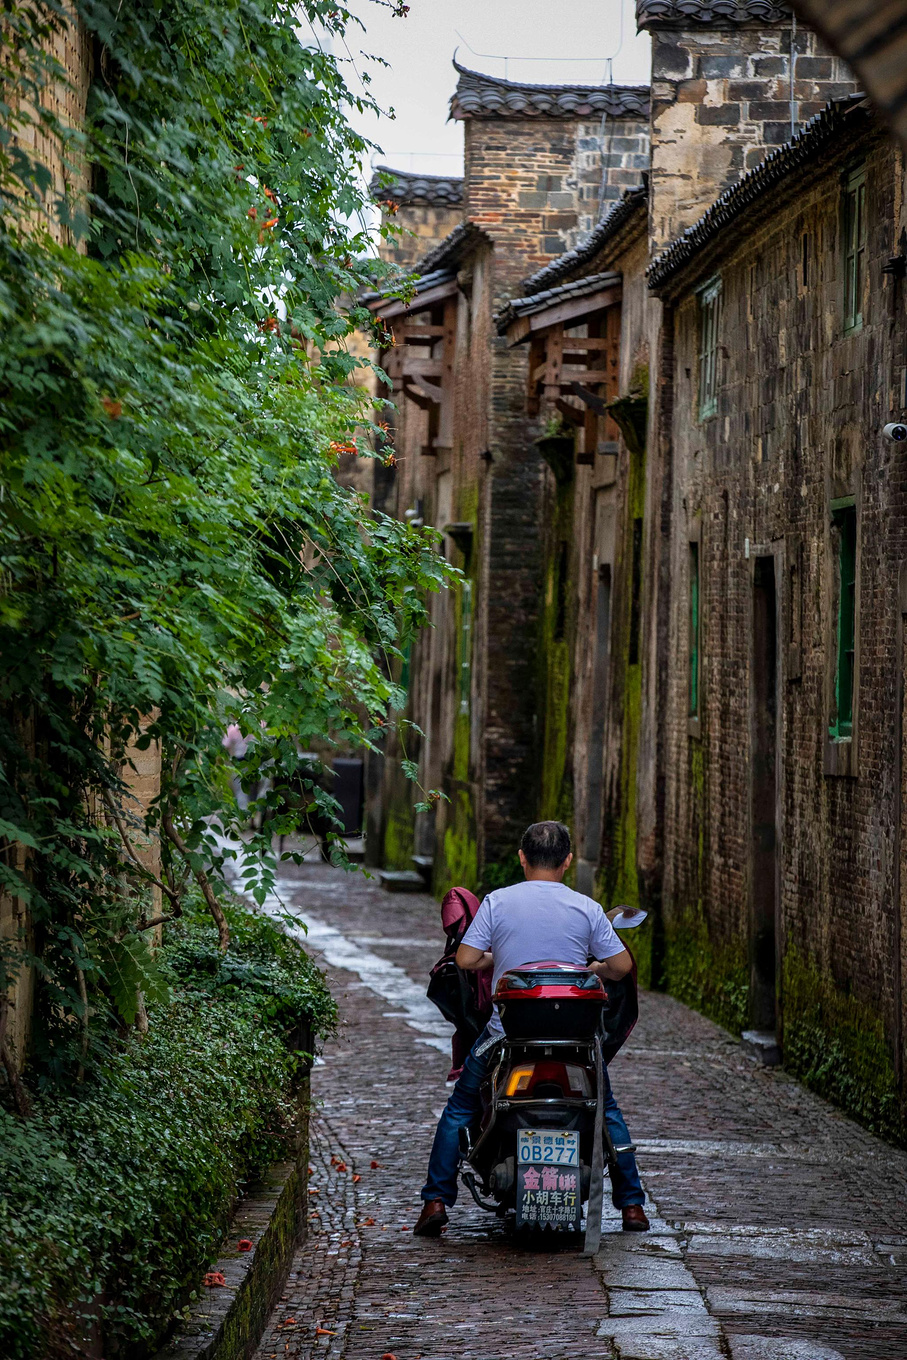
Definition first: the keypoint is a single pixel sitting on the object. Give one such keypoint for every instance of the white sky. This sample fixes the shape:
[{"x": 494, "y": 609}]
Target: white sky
[{"x": 545, "y": 42}]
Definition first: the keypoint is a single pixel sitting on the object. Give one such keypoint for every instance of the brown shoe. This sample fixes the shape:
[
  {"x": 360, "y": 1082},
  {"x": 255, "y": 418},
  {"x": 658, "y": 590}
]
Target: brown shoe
[
  {"x": 433, "y": 1219},
  {"x": 634, "y": 1218}
]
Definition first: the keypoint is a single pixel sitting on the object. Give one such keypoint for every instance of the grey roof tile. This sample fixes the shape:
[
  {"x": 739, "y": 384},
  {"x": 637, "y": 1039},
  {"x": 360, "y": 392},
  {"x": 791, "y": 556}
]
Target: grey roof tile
[
  {"x": 481, "y": 96},
  {"x": 409, "y": 189},
  {"x": 719, "y": 13}
]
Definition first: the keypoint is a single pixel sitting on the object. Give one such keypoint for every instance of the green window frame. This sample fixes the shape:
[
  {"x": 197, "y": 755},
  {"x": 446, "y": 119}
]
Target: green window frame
[
  {"x": 694, "y": 622},
  {"x": 844, "y": 521},
  {"x": 709, "y": 320},
  {"x": 854, "y": 236}
]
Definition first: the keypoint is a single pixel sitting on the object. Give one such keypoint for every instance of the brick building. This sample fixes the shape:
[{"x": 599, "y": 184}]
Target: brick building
[
  {"x": 541, "y": 163},
  {"x": 682, "y": 528}
]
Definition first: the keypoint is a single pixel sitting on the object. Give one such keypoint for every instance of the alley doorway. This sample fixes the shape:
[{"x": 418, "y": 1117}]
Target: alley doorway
[{"x": 763, "y": 856}]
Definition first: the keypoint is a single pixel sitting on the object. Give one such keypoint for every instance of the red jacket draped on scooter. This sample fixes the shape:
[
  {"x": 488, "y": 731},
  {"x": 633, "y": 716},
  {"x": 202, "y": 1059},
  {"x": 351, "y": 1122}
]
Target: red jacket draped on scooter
[{"x": 462, "y": 998}]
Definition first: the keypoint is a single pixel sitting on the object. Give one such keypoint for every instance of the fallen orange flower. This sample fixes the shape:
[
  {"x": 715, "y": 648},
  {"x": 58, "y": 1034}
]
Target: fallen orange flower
[
  {"x": 244, "y": 1244},
  {"x": 323, "y": 1331},
  {"x": 341, "y": 1166},
  {"x": 367, "y": 1223},
  {"x": 213, "y": 1279},
  {"x": 375, "y": 1165},
  {"x": 356, "y": 1178}
]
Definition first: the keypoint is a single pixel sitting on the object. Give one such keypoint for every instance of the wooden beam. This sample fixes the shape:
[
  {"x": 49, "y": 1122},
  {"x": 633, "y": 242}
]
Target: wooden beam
[
  {"x": 583, "y": 342},
  {"x": 418, "y": 335},
  {"x": 448, "y": 355},
  {"x": 595, "y": 403},
  {"x": 553, "y": 364},
  {"x": 433, "y": 394},
  {"x": 574, "y": 414},
  {"x": 417, "y": 366},
  {"x": 421, "y": 302},
  {"x": 574, "y": 308}
]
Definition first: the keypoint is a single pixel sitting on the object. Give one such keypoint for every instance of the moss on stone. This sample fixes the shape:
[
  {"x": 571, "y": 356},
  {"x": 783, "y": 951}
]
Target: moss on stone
[
  {"x": 461, "y": 851},
  {"x": 709, "y": 975},
  {"x": 837, "y": 1046},
  {"x": 398, "y": 836},
  {"x": 555, "y": 651}
]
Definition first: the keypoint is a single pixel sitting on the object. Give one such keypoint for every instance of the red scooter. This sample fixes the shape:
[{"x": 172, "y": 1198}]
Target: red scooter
[{"x": 541, "y": 1146}]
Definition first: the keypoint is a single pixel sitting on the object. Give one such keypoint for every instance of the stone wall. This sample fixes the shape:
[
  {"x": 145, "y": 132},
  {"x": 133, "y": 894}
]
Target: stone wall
[
  {"x": 801, "y": 406},
  {"x": 720, "y": 97}
]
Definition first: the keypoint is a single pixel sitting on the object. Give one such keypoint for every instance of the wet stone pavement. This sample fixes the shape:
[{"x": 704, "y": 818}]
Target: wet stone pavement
[{"x": 779, "y": 1226}]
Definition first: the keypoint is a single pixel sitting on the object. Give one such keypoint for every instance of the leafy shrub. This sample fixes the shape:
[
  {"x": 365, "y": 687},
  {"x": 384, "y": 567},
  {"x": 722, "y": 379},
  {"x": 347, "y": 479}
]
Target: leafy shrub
[{"x": 114, "y": 1198}]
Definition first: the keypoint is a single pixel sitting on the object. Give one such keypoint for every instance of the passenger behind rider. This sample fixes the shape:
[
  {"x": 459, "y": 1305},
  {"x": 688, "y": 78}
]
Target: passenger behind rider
[{"x": 539, "y": 919}]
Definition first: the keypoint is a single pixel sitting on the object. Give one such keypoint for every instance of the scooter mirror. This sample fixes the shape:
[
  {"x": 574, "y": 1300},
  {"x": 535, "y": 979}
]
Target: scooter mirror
[{"x": 625, "y": 918}]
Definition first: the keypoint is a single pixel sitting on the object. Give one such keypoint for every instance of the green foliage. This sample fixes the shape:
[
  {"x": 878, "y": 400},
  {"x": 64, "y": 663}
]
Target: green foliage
[
  {"x": 176, "y": 554},
  {"x": 502, "y": 873},
  {"x": 263, "y": 963},
  {"x": 114, "y": 1199}
]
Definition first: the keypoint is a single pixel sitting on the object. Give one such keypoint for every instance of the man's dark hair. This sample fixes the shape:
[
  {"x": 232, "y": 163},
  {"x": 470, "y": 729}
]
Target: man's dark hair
[{"x": 546, "y": 845}]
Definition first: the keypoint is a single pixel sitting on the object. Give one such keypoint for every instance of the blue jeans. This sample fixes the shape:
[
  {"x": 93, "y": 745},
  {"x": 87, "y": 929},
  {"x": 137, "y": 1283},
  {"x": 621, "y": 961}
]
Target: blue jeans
[{"x": 464, "y": 1107}]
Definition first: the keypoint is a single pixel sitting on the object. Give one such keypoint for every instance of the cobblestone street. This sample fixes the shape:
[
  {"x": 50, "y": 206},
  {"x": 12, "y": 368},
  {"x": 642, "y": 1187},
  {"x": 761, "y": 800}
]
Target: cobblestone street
[{"x": 779, "y": 1228}]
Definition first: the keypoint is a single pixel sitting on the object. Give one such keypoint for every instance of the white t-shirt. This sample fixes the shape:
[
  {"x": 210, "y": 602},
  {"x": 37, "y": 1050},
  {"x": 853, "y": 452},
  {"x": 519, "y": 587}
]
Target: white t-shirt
[{"x": 540, "y": 920}]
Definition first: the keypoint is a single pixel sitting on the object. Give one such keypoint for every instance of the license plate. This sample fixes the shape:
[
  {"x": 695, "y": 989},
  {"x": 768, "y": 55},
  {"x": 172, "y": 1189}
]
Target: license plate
[{"x": 547, "y": 1147}]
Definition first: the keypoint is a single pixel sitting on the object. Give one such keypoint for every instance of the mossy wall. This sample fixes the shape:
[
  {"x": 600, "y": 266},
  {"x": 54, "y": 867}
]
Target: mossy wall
[
  {"x": 619, "y": 882},
  {"x": 710, "y": 975},
  {"x": 558, "y": 627},
  {"x": 837, "y": 1046}
]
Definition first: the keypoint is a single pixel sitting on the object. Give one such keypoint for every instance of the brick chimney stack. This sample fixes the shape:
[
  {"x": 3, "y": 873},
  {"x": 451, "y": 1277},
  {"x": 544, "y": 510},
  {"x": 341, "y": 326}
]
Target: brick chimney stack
[{"x": 730, "y": 78}]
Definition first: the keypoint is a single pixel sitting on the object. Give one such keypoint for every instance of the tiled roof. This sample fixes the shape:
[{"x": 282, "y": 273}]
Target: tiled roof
[
  {"x": 540, "y": 302},
  {"x": 631, "y": 202},
  {"x": 720, "y": 13},
  {"x": 409, "y": 188},
  {"x": 421, "y": 284},
  {"x": 809, "y": 145},
  {"x": 438, "y": 266},
  {"x": 481, "y": 96},
  {"x": 455, "y": 246}
]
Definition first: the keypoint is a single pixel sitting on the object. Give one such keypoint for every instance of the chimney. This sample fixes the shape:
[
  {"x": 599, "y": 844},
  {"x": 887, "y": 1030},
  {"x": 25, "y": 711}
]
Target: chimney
[{"x": 731, "y": 79}]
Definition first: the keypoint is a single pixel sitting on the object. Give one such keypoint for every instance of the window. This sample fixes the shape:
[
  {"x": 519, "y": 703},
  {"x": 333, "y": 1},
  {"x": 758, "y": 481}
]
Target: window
[
  {"x": 709, "y": 308},
  {"x": 854, "y": 227},
  {"x": 694, "y": 631},
  {"x": 844, "y": 523}
]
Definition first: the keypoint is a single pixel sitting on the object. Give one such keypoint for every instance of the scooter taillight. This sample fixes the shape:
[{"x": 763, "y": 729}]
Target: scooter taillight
[{"x": 550, "y": 1079}]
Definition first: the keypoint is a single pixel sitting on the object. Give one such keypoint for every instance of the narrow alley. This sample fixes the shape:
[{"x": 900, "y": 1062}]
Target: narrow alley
[{"x": 779, "y": 1228}]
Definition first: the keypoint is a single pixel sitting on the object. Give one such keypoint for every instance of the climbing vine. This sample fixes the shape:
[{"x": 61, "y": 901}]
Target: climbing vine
[{"x": 175, "y": 553}]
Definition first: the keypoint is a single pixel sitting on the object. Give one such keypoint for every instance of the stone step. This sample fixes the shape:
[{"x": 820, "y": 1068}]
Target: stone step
[{"x": 401, "y": 880}]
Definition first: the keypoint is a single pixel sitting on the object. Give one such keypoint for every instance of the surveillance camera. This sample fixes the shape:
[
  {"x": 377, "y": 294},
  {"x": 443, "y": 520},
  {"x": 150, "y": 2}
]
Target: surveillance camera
[{"x": 895, "y": 431}]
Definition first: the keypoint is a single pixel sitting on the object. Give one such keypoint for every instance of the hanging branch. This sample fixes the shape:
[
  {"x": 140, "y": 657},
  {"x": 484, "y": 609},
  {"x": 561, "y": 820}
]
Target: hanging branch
[
  {"x": 7, "y": 1057},
  {"x": 201, "y": 878},
  {"x": 143, "y": 869}
]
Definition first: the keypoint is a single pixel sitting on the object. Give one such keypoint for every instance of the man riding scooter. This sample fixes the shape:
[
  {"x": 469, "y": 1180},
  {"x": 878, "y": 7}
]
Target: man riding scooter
[{"x": 539, "y": 919}]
